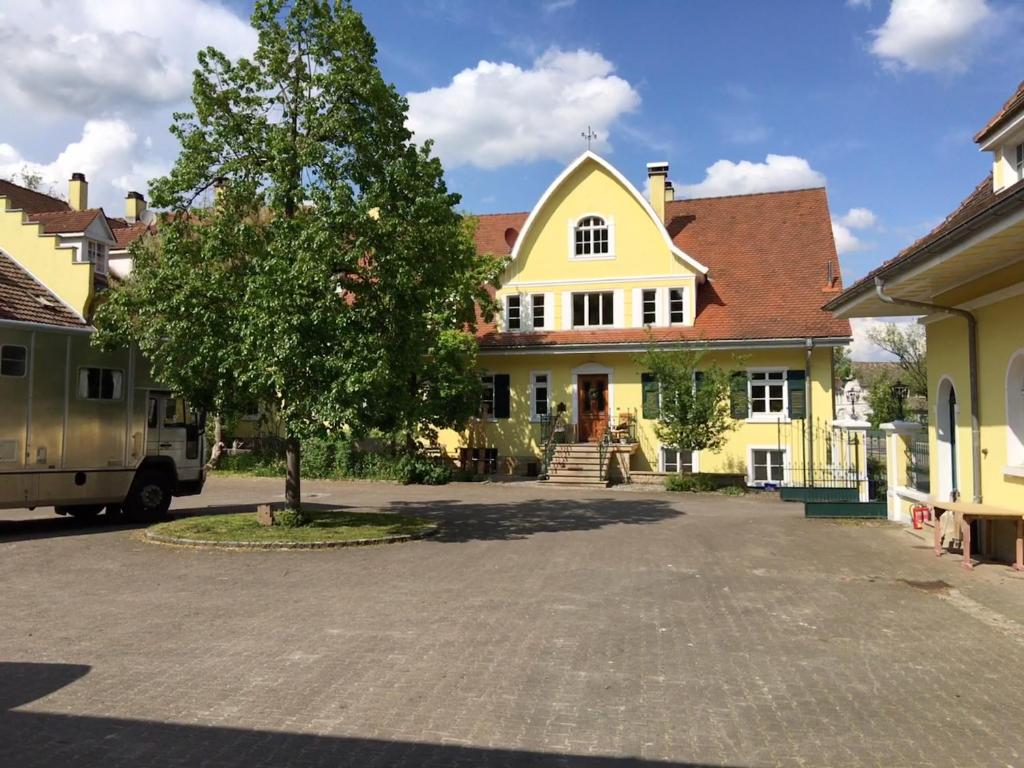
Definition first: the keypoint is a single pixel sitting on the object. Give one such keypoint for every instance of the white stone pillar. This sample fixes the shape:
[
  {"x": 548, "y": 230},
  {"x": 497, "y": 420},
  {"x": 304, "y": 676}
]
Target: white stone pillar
[
  {"x": 897, "y": 442},
  {"x": 857, "y": 428}
]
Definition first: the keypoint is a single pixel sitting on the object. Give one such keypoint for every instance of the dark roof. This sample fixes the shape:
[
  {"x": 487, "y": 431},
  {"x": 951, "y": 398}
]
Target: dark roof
[
  {"x": 29, "y": 200},
  {"x": 767, "y": 256},
  {"x": 1010, "y": 109},
  {"x": 981, "y": 200},
  {"x": 61, "y": 222},
  {"x": 26, "y": 300}
]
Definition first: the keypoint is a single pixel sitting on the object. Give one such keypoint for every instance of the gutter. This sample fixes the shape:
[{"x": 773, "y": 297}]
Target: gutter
[
  {"x": 972, "y": 363},
  {"x": 809, "y": 408},
  {"x": 25, "y": 325}
]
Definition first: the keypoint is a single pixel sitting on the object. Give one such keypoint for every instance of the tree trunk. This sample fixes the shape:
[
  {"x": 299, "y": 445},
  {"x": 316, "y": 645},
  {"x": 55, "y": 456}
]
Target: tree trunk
[
  {"x": 217, "y": 449},
  {"x": 292, "y": 493}
]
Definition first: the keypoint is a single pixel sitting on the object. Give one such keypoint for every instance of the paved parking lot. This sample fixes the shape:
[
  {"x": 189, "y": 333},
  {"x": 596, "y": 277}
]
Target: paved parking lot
[{"x": 542, "y": 627}]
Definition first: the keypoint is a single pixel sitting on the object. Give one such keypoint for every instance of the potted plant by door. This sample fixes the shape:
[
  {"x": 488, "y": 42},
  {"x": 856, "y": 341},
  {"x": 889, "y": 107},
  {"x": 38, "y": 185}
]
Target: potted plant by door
[{"x": 559, "y": 430}]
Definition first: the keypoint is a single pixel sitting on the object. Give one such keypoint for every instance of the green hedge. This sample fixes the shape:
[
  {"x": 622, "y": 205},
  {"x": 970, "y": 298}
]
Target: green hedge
[
  {"x": 706, "y": 482},
  {"x": 340, "y": 459}
]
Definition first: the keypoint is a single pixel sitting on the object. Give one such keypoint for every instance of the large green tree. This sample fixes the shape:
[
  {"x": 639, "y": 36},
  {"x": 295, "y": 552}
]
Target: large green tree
[
  {"x": 311, "y": 257},
  {"x": 693, "y": 408},
  {"x": 905, "y": 342}
]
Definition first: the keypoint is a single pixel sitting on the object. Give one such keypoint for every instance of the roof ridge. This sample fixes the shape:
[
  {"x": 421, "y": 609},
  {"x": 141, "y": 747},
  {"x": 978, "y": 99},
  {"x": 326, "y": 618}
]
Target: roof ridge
[
  {"x": 509, "y": 213},
  {"x": 747, "y": 194},
  {"x": 33, "y": 191}
]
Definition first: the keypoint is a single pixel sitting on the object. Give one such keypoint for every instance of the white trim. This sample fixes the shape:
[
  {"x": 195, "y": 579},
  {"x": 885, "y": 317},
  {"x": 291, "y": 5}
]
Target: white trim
[
  {"x": 594, "y": 280},
  {"x": 786, "y": 467},
  {"x": 638, "y": 307},
  {"x": 534, "y": 416},
  {"x": 1016, "y": 289},
  {"x": 609, "y": 224},
  {"x": 615, "y": 320},
  {"x": 661, "y": 459},
  {"x": 584, "y": 370},
  {"x": 687, "y": 316},
  {"x": 589, "y": 349},
  {"x": 998, "y": 138},
  {"x": 643, "y": 202},
  {"x": 1013, "y": 471},
  {"x": 549, "y": 311},
  {"x": 768, "y": 416},
  {"x": 619, "y": 308},
  {"x": 661, "y": 307},
  {"x": 566, "y": 311},
  {"x": 943, "y": 448},
  {"x": 1015, "y": 410}
]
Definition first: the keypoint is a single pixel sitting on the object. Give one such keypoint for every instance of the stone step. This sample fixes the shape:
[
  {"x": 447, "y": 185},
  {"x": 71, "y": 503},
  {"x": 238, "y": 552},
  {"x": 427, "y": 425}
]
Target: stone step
[{"x": 575, "y": 480}]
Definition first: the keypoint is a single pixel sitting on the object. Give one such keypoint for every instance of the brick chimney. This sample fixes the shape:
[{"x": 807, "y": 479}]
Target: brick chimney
[
  {"x": 134, "y": 207},
  {"x": 657, "y": 179},
  {"x": 78, "y": 192}
]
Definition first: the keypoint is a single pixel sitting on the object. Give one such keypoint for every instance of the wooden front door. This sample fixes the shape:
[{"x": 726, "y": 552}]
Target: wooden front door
[{"x": 592, "y": 404}]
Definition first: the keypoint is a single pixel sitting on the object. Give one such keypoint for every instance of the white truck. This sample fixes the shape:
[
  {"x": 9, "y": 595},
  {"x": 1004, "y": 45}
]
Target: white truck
[{"x": 82, "y": 430}]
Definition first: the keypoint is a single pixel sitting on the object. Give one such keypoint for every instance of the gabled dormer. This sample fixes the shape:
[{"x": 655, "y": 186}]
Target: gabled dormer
[{"x": 1003, "y": 136}]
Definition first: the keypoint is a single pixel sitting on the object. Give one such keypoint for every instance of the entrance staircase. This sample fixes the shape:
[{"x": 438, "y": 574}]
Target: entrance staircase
[{"x": 579, "y": 464}]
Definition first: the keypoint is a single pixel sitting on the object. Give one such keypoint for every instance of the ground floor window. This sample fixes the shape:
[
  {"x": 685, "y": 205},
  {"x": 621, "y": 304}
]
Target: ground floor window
[
  {"x": 768, "y": 465},
  {"x": 487, "y": 396},
  {"x": 674, "y": 460},
  {"x": 540, "y": 395}
]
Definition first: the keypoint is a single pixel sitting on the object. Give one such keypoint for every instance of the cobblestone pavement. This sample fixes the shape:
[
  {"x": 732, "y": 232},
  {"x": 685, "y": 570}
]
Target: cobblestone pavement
[{"x": 542, "y": 627}]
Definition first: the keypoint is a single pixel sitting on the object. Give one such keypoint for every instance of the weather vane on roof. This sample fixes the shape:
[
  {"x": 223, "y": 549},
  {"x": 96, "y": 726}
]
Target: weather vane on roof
[{"x": 589, "y": 136}]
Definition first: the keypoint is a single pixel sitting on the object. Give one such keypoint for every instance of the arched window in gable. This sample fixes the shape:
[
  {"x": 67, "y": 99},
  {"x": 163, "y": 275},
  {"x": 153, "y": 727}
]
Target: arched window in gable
[{"x": 591, "y": 238}]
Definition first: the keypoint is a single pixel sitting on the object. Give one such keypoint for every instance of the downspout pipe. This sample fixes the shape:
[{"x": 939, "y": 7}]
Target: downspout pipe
[
  {"x": 972, "y": 366},
  {"x": 809, "y": 409}
]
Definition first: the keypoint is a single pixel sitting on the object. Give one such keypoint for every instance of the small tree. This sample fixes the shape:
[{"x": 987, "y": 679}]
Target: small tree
[
  {"x": 885, "y": 406},
  {"x": 905, "y": 342},
  {"x": 693, "y": 414},
  {"x": 842, "y": 364}
]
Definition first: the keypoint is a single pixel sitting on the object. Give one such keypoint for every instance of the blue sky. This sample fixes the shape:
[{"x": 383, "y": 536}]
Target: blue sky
[{"x": 877, "y": 99}]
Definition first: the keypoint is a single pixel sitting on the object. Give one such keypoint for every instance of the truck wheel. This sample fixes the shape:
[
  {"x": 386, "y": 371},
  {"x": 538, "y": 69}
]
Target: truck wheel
[
  {"x": 80, "y": 511},
  {"x": 149, "y": 497}
]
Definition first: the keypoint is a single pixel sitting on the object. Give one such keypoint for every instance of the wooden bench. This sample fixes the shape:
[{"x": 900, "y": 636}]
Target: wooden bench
[{"x": 966, "y": 512}]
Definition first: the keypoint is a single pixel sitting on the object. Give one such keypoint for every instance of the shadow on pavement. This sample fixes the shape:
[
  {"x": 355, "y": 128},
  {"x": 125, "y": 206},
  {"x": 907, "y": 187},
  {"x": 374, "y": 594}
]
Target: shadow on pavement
[{"x": 43, "y": 739}]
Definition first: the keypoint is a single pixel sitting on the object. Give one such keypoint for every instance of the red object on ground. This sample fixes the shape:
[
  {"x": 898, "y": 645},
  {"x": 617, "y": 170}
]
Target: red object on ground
[{"x": 919, "y": 514}]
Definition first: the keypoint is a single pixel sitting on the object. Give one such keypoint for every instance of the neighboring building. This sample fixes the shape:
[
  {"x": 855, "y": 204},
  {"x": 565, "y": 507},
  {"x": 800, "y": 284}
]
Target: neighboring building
[
  {"x": 72, "y": 249},
  {"x": 598, "y": 273},
  {"x": 968, "y": 275}
]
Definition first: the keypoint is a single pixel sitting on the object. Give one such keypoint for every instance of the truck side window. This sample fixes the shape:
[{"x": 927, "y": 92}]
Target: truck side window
[
  {"x": 151, "y": 419},
  {"x": 12, "y": 360},
  {"x": 174, "y": 412},
  {"x": 100, "y": 383}
]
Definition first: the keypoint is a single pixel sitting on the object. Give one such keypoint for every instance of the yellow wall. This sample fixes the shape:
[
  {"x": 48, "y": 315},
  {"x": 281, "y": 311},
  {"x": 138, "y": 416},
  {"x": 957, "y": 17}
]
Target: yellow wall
[
  {"x": 54, "y": 267},
  {"x": 518, "y": 439},
  {"x": 1000, "y": 335}
]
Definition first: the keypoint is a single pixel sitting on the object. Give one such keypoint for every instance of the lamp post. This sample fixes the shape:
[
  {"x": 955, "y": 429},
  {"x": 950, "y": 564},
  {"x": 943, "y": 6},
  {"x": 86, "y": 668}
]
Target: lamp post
[
  {"x": 853, "y": 395},
  {"x": 899, "y": 391}
]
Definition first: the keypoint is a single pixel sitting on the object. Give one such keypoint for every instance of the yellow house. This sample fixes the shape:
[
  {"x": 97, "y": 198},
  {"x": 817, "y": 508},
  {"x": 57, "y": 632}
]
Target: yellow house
[
  {"x": 597, "y": 271},
  {"x": 72, "y": 249},
  {"x": 966, "y": 277}
]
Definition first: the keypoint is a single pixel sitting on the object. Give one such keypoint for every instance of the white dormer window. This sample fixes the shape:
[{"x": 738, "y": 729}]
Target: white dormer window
[
  {"x": 96, "y": 253},
  {"x": 676, "y": 306},
  {"x": 513, "y": 312},
  {"x": 591, "y": 238},
  {"x": 1019, "y": 161}
]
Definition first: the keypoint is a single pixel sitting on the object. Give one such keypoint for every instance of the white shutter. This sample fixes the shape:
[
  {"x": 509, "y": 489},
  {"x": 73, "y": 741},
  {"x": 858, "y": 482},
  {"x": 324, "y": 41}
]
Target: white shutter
[
  {"x": 549, "y": 310},
  {"x": 619, "y": 307},
  {"x": 661, "y": 313},
  {"x": 502, "y": 314},
  {"x": 638, "y": 307},
  {"x": 525, "y": 312},
  {"x": 566, "y": 310}
]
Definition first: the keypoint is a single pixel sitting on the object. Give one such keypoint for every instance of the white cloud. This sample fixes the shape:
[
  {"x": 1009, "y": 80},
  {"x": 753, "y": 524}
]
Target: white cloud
[
  {"x": 842, "y": 229},
  {"x": 551, "y": 6},
  {"x": 108, "y": 153},
  {"x": 862, "y": 350},
  {"x": 775, "y": 174},
  {"x": 497, "y": 114},
  {"x": 930, "y": 35},
  {"x": 859, "y": 3},
  {"x": 96, "y": 57}
]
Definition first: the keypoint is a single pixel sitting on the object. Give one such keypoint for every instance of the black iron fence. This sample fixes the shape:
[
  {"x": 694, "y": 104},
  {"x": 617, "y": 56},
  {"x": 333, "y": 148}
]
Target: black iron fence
[{"x": 918, "y": 469}]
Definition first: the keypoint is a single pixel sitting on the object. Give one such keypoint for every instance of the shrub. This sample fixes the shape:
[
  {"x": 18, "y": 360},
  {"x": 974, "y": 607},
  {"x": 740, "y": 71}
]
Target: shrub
[
  {"x": 697, "y": 483},
  {"x": 318, "y": 457},
  {"x": 732, "y": 490},
  {"x": 417, "y": 470},
  {"x": 254, "y": 464},
  {"x": 290, "y": 518}
]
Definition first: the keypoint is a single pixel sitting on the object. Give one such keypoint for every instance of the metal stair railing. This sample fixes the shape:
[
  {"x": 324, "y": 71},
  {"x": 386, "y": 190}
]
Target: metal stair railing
[{"x": 549, "y": 443}]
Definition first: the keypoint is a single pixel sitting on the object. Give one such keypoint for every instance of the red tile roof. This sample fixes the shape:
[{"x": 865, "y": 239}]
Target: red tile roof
[
  {"x": 26, "y": 300},
  {"x": 1010, "y": 109},
  {"x": 981, "y": 200},
  {"x": 61, "y": 222},
  {"x": 29, "y": 200},
  {"x": 767, "y": 255},
  {"x": 127, "y": 233}
]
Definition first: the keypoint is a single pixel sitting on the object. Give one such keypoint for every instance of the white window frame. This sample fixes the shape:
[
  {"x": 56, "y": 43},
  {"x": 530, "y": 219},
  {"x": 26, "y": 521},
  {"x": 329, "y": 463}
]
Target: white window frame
[
  {"x": 769, "y": 416},
  {"x": 1015, "y": 415},
  {"x": 118, "y": 387},
  {"x": 24, "y": 361},
  {"x": 663, "y": 462},
  {"x": 609, "y": 226},
  {"x": 586, "y": 309},
  {"x": 643, "y": 306},
  {"x": 540, "y": 299},
  {"x": 534, "y": 415},
  {"x": 682, "y": 298},
  {"x": 486, "y": 384},
  {"x": 97, "y": 255},
  {"x": 1019, "y": 160},
  {"x": 770, "y": 449},
  {"x": 508, "y": 312}
]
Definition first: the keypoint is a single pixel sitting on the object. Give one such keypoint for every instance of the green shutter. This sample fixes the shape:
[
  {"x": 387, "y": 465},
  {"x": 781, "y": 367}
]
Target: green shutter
[
  {"x": 501, "y": 396},
  {"x": 738, "y": 407},
  {"x": 649, "y": 386},
  {"x": 797, "y": 394}
]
